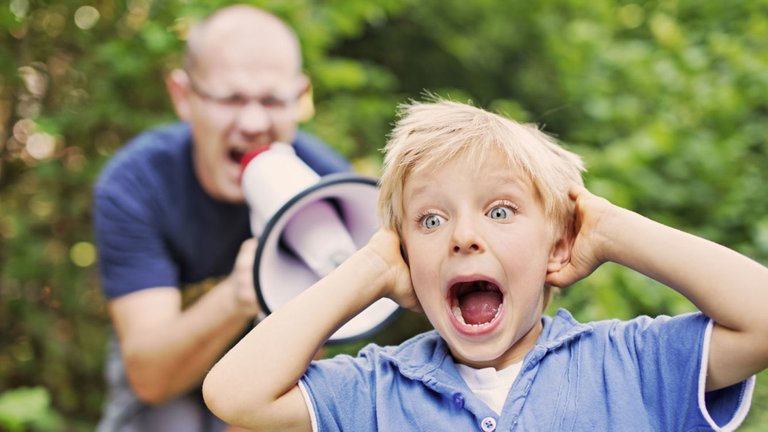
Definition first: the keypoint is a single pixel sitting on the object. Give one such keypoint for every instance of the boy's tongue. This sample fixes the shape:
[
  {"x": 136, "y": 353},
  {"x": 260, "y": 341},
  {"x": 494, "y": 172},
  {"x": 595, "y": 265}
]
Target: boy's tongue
[{"x": 478, "y": 307}]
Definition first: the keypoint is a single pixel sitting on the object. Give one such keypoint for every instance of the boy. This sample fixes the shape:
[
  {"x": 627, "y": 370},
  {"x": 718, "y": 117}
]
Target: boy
[{"x": 490, "y": 213}]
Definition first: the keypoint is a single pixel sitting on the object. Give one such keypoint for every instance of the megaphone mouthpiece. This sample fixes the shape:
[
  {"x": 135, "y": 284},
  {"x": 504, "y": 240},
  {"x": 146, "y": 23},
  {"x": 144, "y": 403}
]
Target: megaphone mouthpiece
[{"x": 248, "y": 157}]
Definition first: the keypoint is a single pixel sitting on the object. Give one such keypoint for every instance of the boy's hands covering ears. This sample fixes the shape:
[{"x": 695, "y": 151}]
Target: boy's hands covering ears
[
  {"x": 589, "y": 246},
  {"x": 384, "y": 251}
]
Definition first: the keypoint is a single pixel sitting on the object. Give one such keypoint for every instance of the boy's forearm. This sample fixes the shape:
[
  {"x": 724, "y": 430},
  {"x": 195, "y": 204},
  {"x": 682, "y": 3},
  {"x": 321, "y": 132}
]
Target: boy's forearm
[
  {"x": 268, "y": 362},
  {"x": 724, "y": 284},
  {"x": 727, "y": 286}
]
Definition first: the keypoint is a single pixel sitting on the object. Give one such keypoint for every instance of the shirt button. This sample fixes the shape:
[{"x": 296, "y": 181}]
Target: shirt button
[
  {"x": 458, "y": 400},
  {"x": 488, "y": 424}
]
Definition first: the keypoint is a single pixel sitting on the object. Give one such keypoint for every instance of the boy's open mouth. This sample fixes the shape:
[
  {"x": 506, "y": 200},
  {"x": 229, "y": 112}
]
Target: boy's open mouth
[{"x": 475, "y": 303}]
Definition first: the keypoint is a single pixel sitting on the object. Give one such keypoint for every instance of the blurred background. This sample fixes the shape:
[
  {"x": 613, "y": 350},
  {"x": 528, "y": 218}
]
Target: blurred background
[{"x": 667, "y": 101}]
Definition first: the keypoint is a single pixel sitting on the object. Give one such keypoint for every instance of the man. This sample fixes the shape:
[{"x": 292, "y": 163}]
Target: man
[{"x": 169, "y": 212}]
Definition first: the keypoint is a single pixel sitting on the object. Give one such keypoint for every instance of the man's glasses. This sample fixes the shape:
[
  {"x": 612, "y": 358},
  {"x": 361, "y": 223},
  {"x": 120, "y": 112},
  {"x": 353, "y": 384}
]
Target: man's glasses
[{"x": 236, "y": 101}]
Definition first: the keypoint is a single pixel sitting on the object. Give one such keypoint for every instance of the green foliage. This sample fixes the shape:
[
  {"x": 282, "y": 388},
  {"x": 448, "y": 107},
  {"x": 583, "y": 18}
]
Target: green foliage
[
  {"x": 665, "y": 99},
  {"x": 27, "y": 409}
]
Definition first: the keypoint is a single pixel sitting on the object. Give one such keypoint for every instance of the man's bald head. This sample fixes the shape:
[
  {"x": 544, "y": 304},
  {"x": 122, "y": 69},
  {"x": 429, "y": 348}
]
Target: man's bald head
[
  {"x": 240, "y": 91},
  {"x": 242, "y": 33}
]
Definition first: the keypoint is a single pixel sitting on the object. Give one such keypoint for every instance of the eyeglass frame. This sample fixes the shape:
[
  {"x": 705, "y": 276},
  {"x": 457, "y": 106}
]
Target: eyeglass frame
[{"x": 238, "y": 101}]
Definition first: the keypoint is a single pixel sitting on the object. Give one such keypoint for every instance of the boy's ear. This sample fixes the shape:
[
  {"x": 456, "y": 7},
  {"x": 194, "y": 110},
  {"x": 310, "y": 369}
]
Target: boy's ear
[
  {"x": 560, "y": 253},
  {"x": 404, "y": 254},
  {"x": 177, "y": 84}
]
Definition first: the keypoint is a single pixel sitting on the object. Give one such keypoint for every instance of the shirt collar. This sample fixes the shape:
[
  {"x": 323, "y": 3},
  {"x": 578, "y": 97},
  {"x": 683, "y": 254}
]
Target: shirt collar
[
  {"x": 425, "y": 355},
  {"x": 558, "y": 331}
]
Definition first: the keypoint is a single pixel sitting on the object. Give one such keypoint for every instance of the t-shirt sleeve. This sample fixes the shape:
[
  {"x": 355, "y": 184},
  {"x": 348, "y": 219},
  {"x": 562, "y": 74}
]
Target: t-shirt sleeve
[
  {"x": 132, "y": 253},
  {"x": 318, "y": 155},
  {"x": 340, "y": 392},
  {"x": 725, "y": 408},
  {"x": 672, "y": 354}
]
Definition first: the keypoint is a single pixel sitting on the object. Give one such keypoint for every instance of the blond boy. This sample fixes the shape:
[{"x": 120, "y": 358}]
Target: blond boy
[{"x": 491, "y": 213}]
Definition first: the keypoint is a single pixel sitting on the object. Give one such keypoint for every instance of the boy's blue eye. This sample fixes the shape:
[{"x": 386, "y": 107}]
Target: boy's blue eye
[
  {"x": 431, "y": 221},
  {"x": 499, "y": 213}
]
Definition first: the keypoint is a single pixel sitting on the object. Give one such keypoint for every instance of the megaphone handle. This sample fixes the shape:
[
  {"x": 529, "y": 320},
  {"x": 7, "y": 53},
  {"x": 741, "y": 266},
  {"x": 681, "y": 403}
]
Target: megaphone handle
[{"x": 259, "y": 317}]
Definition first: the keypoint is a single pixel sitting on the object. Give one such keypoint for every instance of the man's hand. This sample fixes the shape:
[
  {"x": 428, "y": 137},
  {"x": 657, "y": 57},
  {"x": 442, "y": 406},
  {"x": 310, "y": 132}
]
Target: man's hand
[{"x": 241, "y": 280}]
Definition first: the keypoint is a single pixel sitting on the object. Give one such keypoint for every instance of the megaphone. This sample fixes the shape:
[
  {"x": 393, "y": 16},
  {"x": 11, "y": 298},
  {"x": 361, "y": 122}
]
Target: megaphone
[{"x": 307, "y": 225}]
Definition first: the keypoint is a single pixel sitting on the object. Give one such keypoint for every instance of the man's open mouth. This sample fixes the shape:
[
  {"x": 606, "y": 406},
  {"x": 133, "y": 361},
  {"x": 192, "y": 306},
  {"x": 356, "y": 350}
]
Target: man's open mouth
[
  {"x": 475, "y": 303},
  {"x": 236, "y": 155}
]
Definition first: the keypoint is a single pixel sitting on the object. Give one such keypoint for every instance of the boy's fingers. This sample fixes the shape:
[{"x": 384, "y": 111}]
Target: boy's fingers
[
  {"x": 576, "y": 191},
  {"x": 565, "y": 277},
  {"x": 555, "y": 277}
]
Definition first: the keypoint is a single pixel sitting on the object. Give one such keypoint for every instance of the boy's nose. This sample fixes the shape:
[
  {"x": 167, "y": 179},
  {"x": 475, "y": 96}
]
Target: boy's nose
[{"x": 466, "y": 239}]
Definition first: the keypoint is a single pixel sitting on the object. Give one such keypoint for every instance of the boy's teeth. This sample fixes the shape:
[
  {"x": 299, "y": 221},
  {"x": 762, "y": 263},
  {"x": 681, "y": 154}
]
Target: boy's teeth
[{"x": 457, "y": 314}]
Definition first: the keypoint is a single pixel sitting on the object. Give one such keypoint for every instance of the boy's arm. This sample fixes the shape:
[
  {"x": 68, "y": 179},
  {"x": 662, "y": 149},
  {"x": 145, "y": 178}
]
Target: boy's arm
[
  {"x": 727, "y": 286},
  {"x": 255, "y": 384}
]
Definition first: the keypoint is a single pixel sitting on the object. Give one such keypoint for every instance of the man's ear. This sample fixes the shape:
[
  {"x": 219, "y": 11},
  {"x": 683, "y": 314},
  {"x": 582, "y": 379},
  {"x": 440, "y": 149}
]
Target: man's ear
[
  {"x": 306, "y": 105},
  {"x": 177, "y": 84},
  {"x": 560, "y": 254}
]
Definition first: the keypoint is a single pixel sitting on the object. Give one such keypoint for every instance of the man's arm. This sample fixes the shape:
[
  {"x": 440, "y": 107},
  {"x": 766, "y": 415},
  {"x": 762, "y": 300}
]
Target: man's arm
[
  {"x": 255, "y": 384},
  {"x": 725, "y": 285},
  {"x": 167, "y": 351}
]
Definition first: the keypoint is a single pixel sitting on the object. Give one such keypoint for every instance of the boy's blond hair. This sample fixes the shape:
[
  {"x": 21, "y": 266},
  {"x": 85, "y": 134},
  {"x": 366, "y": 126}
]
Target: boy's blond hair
[{"x": 429, "y": 134}]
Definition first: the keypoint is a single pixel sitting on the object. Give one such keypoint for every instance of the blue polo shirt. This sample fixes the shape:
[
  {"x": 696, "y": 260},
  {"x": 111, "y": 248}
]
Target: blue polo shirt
[{"x": 646, "y": 374}]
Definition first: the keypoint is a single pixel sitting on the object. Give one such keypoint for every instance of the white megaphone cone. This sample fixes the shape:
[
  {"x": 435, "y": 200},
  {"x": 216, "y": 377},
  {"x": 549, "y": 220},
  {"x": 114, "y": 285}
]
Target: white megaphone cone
[
  {"x": 273, "y": 176},
  {"x": 307, "y": 226}
]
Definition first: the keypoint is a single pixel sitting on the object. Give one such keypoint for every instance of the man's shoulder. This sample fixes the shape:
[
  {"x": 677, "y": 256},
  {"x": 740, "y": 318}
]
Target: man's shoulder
[
  {"x": 321, "y": 157},
  {"x": 163, "y": 147},
  {"x": 167, "y": 140}
]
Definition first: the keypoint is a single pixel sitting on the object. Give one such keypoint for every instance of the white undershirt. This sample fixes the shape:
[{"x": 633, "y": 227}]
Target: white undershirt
[{"x": 490, "y": 385}]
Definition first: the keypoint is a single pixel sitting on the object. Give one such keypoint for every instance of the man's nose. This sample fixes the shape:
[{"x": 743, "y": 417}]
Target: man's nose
[
  {"x": 253, "y": 118},
  {"x": 466, "y": 237}
]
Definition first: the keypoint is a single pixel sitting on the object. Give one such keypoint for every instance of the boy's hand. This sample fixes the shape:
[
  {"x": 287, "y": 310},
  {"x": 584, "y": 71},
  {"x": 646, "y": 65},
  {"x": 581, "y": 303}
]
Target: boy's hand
[
  {"x": 385, "y": 251},
  {"x": 589, "y": 247}
]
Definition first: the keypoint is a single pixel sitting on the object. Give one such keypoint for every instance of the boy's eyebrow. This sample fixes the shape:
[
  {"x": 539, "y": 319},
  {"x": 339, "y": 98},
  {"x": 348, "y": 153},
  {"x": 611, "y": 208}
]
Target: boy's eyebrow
[{"x": 418, "y": 192}]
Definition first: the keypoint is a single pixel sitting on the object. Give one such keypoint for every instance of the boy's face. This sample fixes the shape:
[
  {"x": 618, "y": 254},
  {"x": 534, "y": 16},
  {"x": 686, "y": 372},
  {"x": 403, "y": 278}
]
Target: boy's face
[{"x": 478, "y": 246}]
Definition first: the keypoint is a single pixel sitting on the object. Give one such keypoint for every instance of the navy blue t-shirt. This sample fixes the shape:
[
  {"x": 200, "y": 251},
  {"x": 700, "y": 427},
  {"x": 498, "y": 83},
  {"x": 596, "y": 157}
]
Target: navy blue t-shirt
[{"x": 155, "y": 225}]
